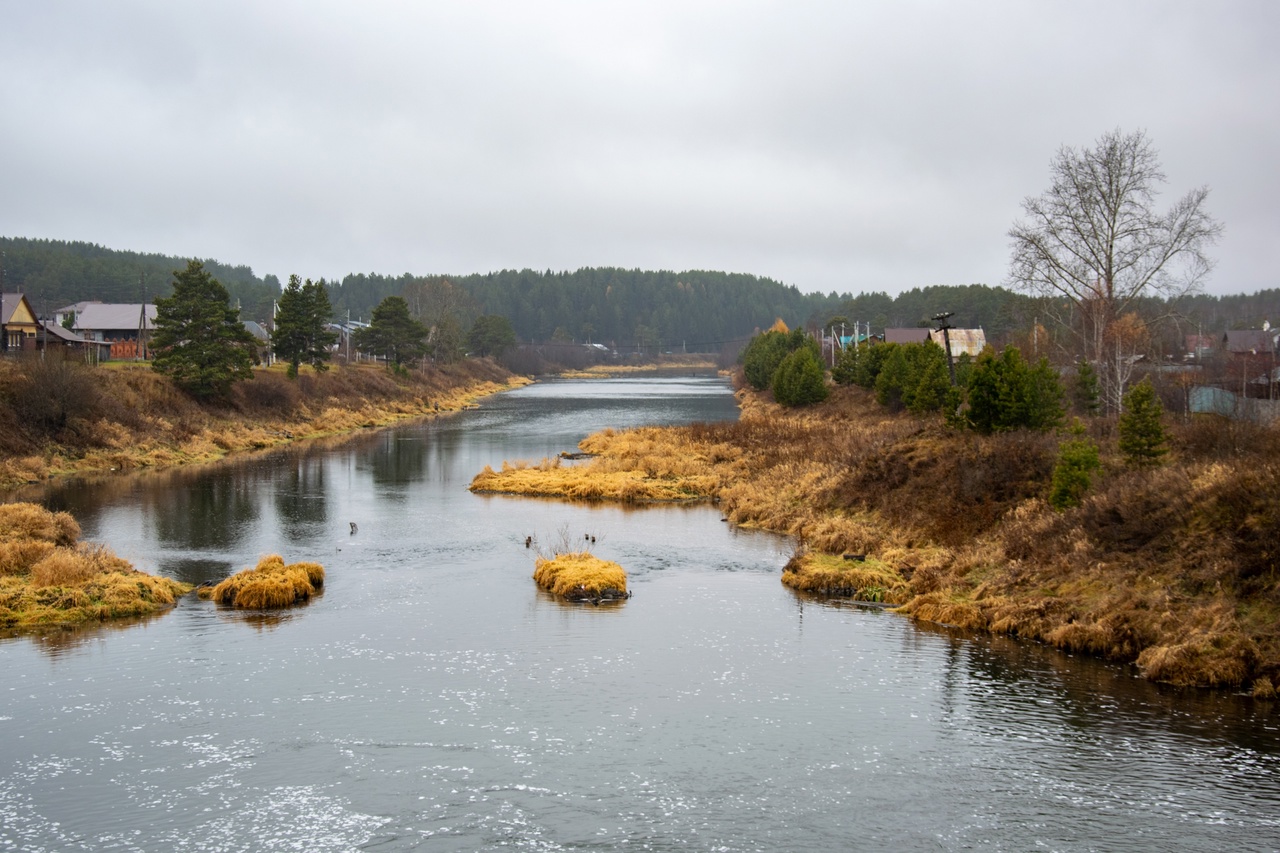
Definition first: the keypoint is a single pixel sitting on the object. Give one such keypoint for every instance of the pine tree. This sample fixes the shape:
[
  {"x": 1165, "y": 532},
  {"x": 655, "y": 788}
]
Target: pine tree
[
  {"x": 1142, "y": 436},
  {"x": 392, "y": 333},
  {"x": 301, "y": 333},
  {"x": 199, "y": 340}
]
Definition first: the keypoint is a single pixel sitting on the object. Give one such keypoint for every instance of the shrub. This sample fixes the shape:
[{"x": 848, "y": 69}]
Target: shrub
[
  {"x": 1006, "y": 393},
  {"x": 52, "y": 392},
  {"x": 799, "y": 379},
  {"x": 762, "y": 357}
]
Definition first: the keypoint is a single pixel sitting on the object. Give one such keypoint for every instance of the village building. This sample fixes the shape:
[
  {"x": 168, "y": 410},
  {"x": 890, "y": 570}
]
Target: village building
[
  {"x": 18, "y": 324},
  {"x": 906, "y": 336},
  {"x": 127, "y": 327},
  {"x": 968, "y": 342}
]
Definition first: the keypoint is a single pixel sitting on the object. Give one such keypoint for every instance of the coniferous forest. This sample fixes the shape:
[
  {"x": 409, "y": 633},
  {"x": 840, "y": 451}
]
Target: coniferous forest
[{"x": 656, "y": 310}]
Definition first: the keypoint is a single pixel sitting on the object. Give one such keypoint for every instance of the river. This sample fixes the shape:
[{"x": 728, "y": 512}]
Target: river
[{"x": 434, "y": 700}]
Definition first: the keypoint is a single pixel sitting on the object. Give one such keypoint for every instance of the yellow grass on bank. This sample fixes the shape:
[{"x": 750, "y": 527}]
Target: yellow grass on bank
[
  {"x": 48, "y": 579},
  {"x": 141, "y": 421},
  {"x": 831, "y": 574},
  {"x": 581, "y": 576},
  {"x": 601, "y": 371},
  {"x": 270, "y": 585}
]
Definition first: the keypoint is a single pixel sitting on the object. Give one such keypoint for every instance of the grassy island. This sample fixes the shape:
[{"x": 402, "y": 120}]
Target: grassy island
[
  {"x": 270, "y": 585},
  {"x": 581, "y": 576},
  {"x": 48, "y": 579},
  {"x": 1172, "y": 568}
]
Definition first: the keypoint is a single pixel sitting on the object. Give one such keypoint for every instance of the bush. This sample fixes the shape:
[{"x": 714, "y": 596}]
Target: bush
[
  {"x": 799, "y": 379},
  {"x": 762, "y": 357},
  {"x": 52, "y": 392},
  {"x": 1006, "y": 393}
]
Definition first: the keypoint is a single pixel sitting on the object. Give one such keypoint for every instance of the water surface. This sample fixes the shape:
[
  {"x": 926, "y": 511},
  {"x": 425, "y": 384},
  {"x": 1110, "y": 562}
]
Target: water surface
[{"x": 434, "y": 699}]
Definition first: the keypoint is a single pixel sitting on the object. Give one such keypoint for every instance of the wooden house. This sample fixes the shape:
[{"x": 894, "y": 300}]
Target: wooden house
[{"x": 18, "y": 324}]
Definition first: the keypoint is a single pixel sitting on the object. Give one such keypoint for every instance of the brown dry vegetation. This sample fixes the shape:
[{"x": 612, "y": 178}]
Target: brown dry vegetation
[
  {"x": 48, "y": 579},
  {"x": 126, "y": 416},
  {"x": 270, "y": 585},
  {"x": 581, "y": 576},
  {"x": 1173, "y": 569}
]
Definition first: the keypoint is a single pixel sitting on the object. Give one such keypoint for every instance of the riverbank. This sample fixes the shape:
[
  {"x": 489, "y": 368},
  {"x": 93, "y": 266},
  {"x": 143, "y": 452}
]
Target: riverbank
[
  {"x": 66, "y": 418},
  {"x": 1172, "y": 569}
]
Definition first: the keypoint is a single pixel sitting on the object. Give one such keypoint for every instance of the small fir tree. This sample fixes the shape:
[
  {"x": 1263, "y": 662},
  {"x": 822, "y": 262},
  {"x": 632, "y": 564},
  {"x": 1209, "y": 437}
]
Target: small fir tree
[
  {"x": 1085, "y": 392},
  {"x": 1073, "y": 473},
  {"x": 1142, "y": 436}
]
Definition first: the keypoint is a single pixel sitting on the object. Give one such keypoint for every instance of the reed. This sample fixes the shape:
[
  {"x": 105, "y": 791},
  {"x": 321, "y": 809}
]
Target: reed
[
  {"x": 270, "y": 585},
  {"x": 580, "y": 576}
]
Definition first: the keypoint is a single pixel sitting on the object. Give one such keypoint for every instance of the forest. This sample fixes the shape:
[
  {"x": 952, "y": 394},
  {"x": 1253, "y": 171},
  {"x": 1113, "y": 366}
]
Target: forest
[{"x": 656, "y": 311}]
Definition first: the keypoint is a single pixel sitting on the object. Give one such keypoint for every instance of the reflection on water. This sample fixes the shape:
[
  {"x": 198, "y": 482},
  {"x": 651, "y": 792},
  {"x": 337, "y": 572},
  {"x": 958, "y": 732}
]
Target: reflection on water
[{"x": 435, "y": 699}]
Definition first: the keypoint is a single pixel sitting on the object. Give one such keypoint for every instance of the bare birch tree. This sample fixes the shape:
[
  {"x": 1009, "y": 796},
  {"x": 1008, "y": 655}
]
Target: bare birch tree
[{"x": 1096, "y": 238}]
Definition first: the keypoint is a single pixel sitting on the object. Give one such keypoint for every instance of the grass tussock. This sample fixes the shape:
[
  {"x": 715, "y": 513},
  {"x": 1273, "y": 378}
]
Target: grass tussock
[
  {"x": 829, "y": 574},
  {"x": 137, "y": 418},
  {"x": 47, "y": 578},
  {"x": 270, "y": 585},
  {"x": 581, "y": 576}
]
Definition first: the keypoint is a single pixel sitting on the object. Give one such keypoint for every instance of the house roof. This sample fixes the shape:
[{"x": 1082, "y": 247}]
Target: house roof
[
  {"x": 1256, "y": 341},
  {"x": 963, "y": 341},
  {"x": 77, "y": 307},
  {"x": 9, "y": 305},
  {"x": 906, "y": 336},
  {"x": 100, "y": 316},
  {"x": 54, "y": 330},
  {"x": 256, "y": 330}
]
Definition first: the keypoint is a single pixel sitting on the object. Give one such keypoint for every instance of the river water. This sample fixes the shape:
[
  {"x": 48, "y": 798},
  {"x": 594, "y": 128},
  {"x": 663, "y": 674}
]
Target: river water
[{"x": 433, "y": 699}]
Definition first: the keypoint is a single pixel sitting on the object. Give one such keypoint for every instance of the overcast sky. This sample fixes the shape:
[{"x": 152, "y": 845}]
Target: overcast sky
[{"x": 845, "y": 146}]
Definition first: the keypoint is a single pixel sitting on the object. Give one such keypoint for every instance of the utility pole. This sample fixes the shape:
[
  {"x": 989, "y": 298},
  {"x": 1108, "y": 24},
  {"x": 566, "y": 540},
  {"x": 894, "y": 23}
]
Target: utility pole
[{"x": 941, "y": 320}]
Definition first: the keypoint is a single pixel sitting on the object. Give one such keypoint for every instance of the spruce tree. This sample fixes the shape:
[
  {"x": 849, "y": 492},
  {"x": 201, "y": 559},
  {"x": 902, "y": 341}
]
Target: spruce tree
[
  {"x": 289, "y": 333},
  {"x": 1084, "y": 390},
  {"x": 1073, "y": 473},
  {"x": 1142, "y": 436}
]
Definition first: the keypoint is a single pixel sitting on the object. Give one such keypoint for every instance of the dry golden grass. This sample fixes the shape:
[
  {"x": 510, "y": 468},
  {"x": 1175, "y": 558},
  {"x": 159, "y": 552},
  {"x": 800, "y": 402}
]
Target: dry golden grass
[
  {"x": 150, "y": 424},
  {"x": 580, "y": 576},
  {"x": 1175, "y": 570},
  {"x": 270, "y": 585},
  {"x": 828, "y": 574},
  {"x": 47, "y": 579}
]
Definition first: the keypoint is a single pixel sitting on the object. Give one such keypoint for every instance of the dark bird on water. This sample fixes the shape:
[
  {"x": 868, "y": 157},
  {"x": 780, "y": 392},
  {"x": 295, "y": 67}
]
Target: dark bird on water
[{"x": 354, "y": 528}]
